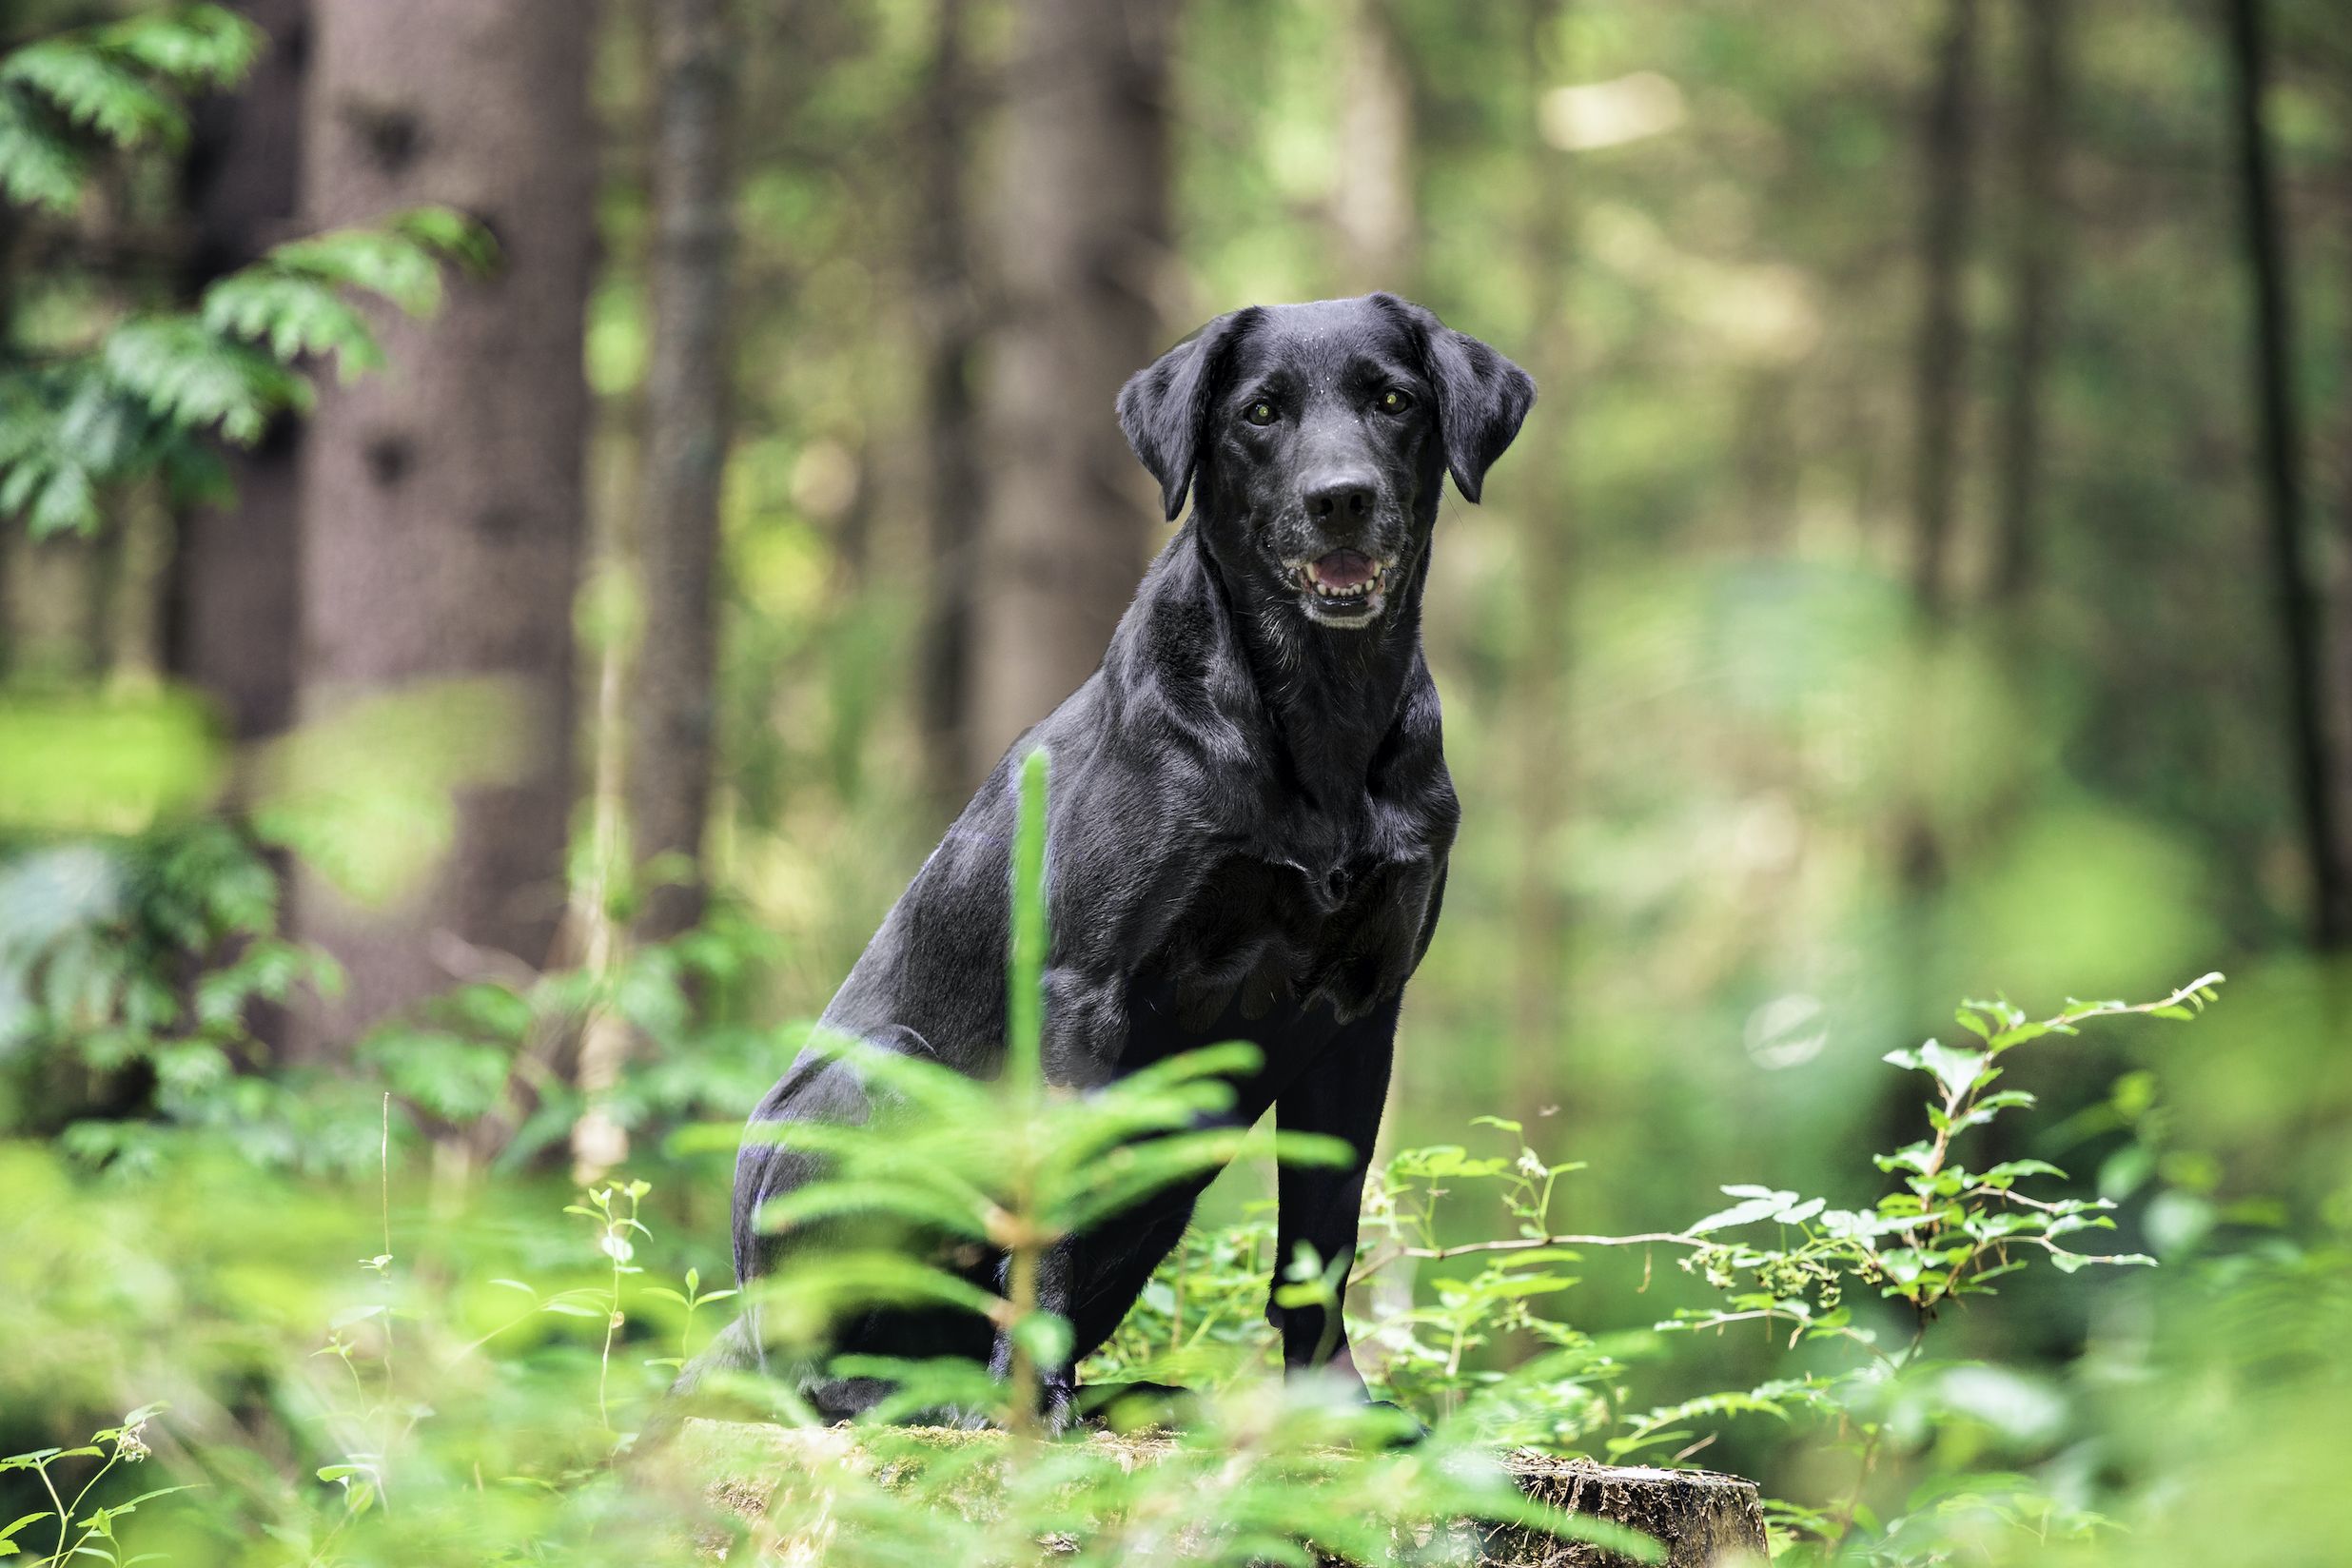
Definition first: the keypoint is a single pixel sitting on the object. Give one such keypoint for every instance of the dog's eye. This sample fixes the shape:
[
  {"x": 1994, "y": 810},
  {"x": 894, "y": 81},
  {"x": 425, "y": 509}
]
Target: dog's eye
[
  {"x": 1395, "y": 400},
  {"x": 1259, "y": 413}
]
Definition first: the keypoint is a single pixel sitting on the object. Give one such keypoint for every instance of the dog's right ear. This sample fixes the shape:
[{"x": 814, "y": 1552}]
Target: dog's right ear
[{"x": 1163, "y": 407}]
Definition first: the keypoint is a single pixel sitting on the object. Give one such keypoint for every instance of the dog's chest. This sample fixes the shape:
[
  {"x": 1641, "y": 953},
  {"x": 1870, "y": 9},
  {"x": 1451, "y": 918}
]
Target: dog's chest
[{"x": 1260, "y": 940}]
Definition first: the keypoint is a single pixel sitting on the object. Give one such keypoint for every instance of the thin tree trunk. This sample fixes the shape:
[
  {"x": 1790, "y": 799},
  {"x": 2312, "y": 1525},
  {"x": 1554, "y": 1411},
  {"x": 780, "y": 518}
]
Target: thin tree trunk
[
  {"x": 2279, "y": 449},
  {"x": 953, "y": 499},
  {"x": 443, "y": 502},
  {"x": 1081, "y": 231},
  {"x": 685, "y": 451},
  {"x": 230, "y": 621},
  {"x": 1373, "y": 208},
  {"x": 2038, "y": 153},
  {"x": 1948, "y": 151},
  {"x": 1547, "y": 579},
  {"x": 55, "y": 629}
]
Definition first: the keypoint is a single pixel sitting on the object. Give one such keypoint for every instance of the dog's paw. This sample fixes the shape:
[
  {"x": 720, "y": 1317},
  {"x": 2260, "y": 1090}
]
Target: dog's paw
[
  {"x": 1136, "y": 1407},
  {"x": 1057, "y": 1404},
  {"x": 1392, "y": 1425}
]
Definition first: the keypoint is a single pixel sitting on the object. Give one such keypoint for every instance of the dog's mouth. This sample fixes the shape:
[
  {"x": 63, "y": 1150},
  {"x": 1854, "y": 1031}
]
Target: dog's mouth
[{"x": 1343, "y": 586}]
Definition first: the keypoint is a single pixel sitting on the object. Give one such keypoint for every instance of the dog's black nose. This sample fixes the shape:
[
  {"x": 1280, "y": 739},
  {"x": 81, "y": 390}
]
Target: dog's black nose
[{"x": 1341, "y": 496}]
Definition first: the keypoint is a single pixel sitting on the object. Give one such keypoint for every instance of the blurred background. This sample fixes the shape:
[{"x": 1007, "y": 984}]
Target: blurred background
[{"x": 1924, "y": 574}]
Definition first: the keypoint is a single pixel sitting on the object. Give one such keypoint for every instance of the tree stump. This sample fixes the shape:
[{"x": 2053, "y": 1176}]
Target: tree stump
[{"x": 1701, "y": 1519}]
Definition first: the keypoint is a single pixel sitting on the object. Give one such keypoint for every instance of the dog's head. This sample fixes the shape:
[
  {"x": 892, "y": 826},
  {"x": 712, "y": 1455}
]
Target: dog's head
[{"x": 1316, "y": 438}]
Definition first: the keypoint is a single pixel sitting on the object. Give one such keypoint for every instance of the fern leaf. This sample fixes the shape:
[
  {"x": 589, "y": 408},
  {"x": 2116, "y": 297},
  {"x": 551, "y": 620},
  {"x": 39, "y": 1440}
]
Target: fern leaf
[
  {"x": 188, "y": 377},
  {"x": 37, "y": 168},
  {"x": 97, "y": 90},
  {"x": 195, "y": 46},
  {"x": 294, "y": 315},
  {"x": 401, "y": 259},
  {"x": 52, "y": 495}
]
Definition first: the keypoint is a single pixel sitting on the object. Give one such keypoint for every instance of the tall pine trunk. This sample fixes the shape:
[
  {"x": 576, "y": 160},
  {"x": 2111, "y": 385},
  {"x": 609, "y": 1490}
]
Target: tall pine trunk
[
  {"x": 2037, "y": 156},
  {"x": 1373, "y": 208},
  {"x": 1547, "y": 579},
  {"x": 686, "y": 383},
  {"x": 1947, "y": 147},
  {"x": 2279, "y": 463},
  {"x": 950, "y": 326},
  {"x": 1080, "y": 237},
  {"x": 231, "y": 622},
  {"x": 443, "y": 502}
]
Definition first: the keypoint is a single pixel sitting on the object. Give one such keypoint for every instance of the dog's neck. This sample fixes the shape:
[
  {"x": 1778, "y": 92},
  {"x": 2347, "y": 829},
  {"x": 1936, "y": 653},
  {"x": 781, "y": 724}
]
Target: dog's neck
[{"x": 1330, "y": 695}]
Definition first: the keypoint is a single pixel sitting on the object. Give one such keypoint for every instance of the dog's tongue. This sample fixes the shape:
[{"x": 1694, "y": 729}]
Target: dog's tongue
[{"x": 1342, "y": 569}]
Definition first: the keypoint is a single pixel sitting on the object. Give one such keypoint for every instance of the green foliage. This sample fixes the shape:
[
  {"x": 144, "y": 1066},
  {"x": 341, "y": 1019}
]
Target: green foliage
[
  {"x": 81, "y": 1533},
  {"x": 122, "y": 85},
  {"x": 477, "y": 1343},
  {"x": 143, "y": 398}
]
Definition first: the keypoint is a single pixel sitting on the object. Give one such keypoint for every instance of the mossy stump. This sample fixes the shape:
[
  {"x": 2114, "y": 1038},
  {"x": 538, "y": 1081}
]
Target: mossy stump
[{"x": 1702, "y": 1520}]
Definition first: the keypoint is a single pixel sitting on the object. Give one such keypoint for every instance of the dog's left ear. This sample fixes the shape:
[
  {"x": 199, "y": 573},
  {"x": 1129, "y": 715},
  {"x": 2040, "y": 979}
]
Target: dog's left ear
[
  {"x": 1481, "y": 396},
  {"x": 1163, "y": 407}
]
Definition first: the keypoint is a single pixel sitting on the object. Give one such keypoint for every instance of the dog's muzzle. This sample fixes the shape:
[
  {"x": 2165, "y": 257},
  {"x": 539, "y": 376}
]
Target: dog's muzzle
[{"x": 1343, "y": 587}]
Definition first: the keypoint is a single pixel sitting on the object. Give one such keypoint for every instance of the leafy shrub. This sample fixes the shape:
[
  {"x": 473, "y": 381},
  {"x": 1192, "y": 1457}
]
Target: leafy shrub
[
  {"x": 146, "y": 397},
  {"x": 476, "y": 1383}
]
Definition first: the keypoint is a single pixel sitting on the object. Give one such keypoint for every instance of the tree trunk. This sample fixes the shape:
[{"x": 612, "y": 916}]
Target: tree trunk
[
  {"x": 1547, "y": 579},
  {"x": 231, "y": 621},
  {"x": 953, "y": 499},
  {"x": 1082, "y": 230},
  {"x": 443, "y": 500},
  {"x": 1373, "y": 208},
  {"x": 1948, "y": 151},
  {"x": 2037, "y": 155},
  {"x": 685, "y": 451},
  {"x": 2278, "y": 458}
]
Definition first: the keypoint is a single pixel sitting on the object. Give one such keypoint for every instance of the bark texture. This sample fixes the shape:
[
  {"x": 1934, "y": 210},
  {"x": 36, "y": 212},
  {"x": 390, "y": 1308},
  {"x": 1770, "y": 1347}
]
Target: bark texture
[
  {"x": 1373, "y": 208},
  {"x": 2037, "y": 155},
  {"x": 1701, "y": 1518},
  {"x": 231, "y": 618},
  {"x": 949, "y": 324},
  {"x": 443, "y": 500},
  {"x": 1946, "y": 217},
  {"x": 1081, "y": 233},
  {"x": 686, "y": 383},
  {"x": 2278, "y": 434},
  {"x": 1548, "y": 577}
]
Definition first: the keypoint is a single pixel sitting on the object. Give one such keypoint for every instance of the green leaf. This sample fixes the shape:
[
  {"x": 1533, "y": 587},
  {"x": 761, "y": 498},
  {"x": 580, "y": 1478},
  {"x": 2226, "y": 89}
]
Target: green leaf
[
  {"x": 1763, "y": 1205},
  {"x": 97, "y": 90},
  {"x": 293, "y": 315},
  {"x": 185, "y": 373},
  {"x": 194, "y": 45},
  {"x": 1047, "y": 1337},
  {"x": 1957, "y": 1070},
  {"x": 29, "y": 1519},
  {"x": 37, "y": 169}
]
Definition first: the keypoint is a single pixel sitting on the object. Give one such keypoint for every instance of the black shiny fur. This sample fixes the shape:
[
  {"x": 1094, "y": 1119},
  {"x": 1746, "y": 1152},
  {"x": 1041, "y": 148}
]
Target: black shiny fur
[{"x": 1250, "y": 810}]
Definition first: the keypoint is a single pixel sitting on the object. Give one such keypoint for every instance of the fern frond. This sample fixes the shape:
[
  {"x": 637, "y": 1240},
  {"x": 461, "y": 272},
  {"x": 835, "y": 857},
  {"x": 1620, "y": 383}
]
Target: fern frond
[
  {"x": 401, "y": 259},
  {"x": 194, "y": 47},
  {"x": 294, "y": 315},
  {"x": 38, "y": 480},
  {"x": 120, "y": 83},
  {"x": 97, "y": 90},
  {"x": 187, "y": 376},
  {"x": 37, "y": 166},
  {"x": 449, "y": 235}
]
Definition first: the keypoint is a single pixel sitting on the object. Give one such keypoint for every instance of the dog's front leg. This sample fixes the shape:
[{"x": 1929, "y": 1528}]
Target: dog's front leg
[{"x": 1339, "y": 1094}]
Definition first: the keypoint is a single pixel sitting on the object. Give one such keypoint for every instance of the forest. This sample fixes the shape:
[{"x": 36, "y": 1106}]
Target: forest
[{"x": 522, "y": 522}]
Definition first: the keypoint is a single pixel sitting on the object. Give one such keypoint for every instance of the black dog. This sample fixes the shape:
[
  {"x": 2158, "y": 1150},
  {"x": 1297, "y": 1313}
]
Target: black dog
[{"x": 1250, "y": 812}]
